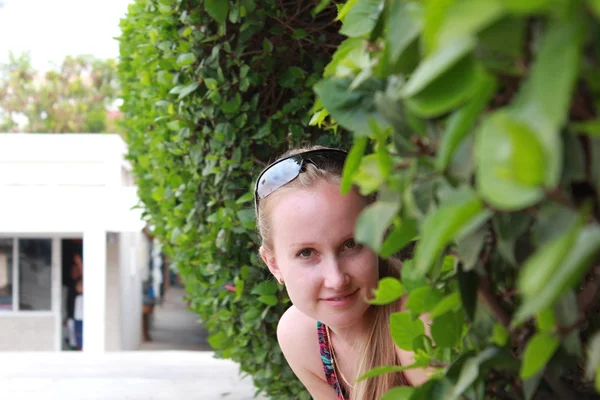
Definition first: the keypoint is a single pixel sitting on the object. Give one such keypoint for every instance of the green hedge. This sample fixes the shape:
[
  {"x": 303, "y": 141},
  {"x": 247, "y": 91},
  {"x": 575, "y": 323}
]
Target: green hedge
[
  {"x": 476, "y": 121},
  {"x": 213, "y": 90}
]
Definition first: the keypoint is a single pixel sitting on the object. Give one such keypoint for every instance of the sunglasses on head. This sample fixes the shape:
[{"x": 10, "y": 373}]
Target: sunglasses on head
[{"x": 283, "y": 171}]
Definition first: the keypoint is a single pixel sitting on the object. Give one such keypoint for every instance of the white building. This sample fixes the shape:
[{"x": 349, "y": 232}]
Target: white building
[{"x": 58, "y": 191}]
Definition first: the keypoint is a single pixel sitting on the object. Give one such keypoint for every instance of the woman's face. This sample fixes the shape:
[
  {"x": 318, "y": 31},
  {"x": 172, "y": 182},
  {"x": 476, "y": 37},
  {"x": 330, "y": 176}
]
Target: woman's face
[{"x": 327, "y": 274}]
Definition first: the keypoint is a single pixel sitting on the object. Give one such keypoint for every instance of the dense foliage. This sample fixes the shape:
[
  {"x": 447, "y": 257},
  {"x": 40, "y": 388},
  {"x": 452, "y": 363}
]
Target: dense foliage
[
  {"x": 213, "y": 90},
  {"x": 75, "y": 97},
  {"x": 476, "y": 122}
]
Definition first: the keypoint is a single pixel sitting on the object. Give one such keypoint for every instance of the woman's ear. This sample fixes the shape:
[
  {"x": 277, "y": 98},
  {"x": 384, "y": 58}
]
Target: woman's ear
[{"x": 269, "y": 259}]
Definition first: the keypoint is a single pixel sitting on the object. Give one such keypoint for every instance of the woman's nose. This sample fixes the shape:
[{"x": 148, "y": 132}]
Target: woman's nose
[{"x": 335, "y": 276}]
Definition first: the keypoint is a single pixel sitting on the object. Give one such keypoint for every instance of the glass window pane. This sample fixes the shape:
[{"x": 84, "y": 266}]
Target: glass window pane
[
  {"x": 35, "y": 274},
  {"x": 6, "y": 274}
]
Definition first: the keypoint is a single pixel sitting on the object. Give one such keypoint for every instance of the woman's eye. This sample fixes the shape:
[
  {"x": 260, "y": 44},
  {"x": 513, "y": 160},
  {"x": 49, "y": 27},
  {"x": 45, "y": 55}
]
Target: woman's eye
[
  {"x": 350, "y": 244},
  {"x": 306, "y": 253}
]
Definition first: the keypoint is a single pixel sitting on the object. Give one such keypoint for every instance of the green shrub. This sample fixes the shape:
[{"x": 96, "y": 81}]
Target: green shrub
[
  {"x": 477, "y": 124},
  {"x": 212, "y": 90}
]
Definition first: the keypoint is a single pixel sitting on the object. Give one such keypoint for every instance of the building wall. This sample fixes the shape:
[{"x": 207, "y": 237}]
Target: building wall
[
  {"x": 27, "y": 333},
  {"x": 113, "y": 294},
  {"x": 132, "y": 265}
]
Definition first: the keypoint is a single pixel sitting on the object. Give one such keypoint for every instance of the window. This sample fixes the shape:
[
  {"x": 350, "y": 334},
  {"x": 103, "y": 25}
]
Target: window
[{"x": 32, "y": 269}]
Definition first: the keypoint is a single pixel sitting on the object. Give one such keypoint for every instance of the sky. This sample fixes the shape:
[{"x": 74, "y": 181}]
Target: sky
[{"x": 53, "y": 29}]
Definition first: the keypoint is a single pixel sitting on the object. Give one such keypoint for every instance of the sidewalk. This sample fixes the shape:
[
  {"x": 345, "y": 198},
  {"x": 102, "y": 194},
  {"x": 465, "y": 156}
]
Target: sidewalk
[
  {"x": 156, "y": 375},
  {"x": 174, "y": 327}
]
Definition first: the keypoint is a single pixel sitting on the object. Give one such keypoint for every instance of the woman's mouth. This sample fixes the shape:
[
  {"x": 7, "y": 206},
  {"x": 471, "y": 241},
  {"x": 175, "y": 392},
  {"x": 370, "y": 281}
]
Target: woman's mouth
[{"x": 341, "y": 300}]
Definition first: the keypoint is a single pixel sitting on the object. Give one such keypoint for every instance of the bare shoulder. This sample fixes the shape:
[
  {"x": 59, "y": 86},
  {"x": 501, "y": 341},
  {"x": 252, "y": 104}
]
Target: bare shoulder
[
  {"x": 297, "y": 335},
  {"x": 298, "y": 338}
]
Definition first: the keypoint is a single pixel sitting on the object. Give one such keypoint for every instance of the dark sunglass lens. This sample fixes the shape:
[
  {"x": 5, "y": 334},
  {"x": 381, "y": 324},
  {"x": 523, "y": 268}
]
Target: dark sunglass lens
[{"x": 278, "y": 175}]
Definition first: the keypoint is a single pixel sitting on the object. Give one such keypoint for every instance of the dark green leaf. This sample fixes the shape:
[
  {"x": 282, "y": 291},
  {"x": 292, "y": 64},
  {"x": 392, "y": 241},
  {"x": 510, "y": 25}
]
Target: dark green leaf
[
  {"x": 593, "y": 363},
  {"x": 469, "y": 247},
  {"x": 265, "y": 288},
  {"x": 268, "y": 300},
  {"x": 217, "y": 9},
  {"x": 351, "y": 109},
  {"x": 467, "y": 283}
]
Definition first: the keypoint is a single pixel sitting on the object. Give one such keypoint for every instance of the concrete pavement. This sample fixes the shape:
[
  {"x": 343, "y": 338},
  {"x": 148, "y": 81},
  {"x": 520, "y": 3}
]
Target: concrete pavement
[{"x": 156, "y": 375}]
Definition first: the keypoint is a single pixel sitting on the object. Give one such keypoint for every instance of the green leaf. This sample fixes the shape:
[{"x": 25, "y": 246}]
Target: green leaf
[
  {"x": 389, "y": 290},
  {"x": 462, "y": 121},
  {"x": 511, "y": 163},
  {"x": 388, "y": 369},
  {"x": 469, "y": 247},
  {"x": 546, "y": 321},
  {"x": 361, "y": 18},
  {"x": 187, "y": 90},
  {"x": 571, "y": 270},
  {"x": 436, "y": 64},
  {"x": 467, "y": 283},
  {"x": 219, "y": 341},
  {"x": 593, "y": 363},
  {"x": 446, "y": 330},
  {"x": 470, "y": 370},
  {"x": 544, "y": 100},
  {"x": 217, "y": 9},
  {"x": 352, "y": 163},
  {"x": 448, "y": 91},
  {"x": 526, "y": 7},
  {"x": 403, "y": 233},
  {"x": 500, "y": 335},
  {"x": 449, "y": 303},
  {"x": 398, "y": 393},
  {"x": 265, "y": 288},
  {"x": 466, "y": 18},
  {"x": 545, "y": 262},
  {"x": 405, "y": 21},
  {"x": 245, "y": 198},
  {"x": 423, "y": 299},
  {"x": 351, "y": 109},
  {"x": 538, "y": 352},
  {"x": 442, "y": 225},
  {"x": 186, "y": 59},
  {"x": 373, "y": 223},
  {"x": 268, "y": 300},
  {"x": 404, "y": 329}
]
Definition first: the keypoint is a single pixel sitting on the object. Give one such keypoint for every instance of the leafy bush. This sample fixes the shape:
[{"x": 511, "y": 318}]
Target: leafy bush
[
  {"x": 476, "y": 123},
  {"x": 213, "y": 89}
]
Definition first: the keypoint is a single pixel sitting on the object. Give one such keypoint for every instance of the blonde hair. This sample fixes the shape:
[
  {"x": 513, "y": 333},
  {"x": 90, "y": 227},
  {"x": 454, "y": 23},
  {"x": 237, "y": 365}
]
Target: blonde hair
[{"x": 378, "y": 348}]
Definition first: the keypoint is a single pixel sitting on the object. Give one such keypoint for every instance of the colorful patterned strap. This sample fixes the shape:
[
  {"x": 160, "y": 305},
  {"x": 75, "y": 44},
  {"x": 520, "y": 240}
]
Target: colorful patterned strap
[{"x": 330, "y": 374}]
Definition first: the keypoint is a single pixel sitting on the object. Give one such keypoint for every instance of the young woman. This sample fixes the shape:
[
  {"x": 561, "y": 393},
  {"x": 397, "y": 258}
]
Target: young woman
[{"x": 330, "y": 335}]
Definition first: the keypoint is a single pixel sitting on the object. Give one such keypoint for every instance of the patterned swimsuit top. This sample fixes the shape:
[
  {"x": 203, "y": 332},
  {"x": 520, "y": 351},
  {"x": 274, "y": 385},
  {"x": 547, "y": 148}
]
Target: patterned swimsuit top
[{"x": 330, "y": 373}]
